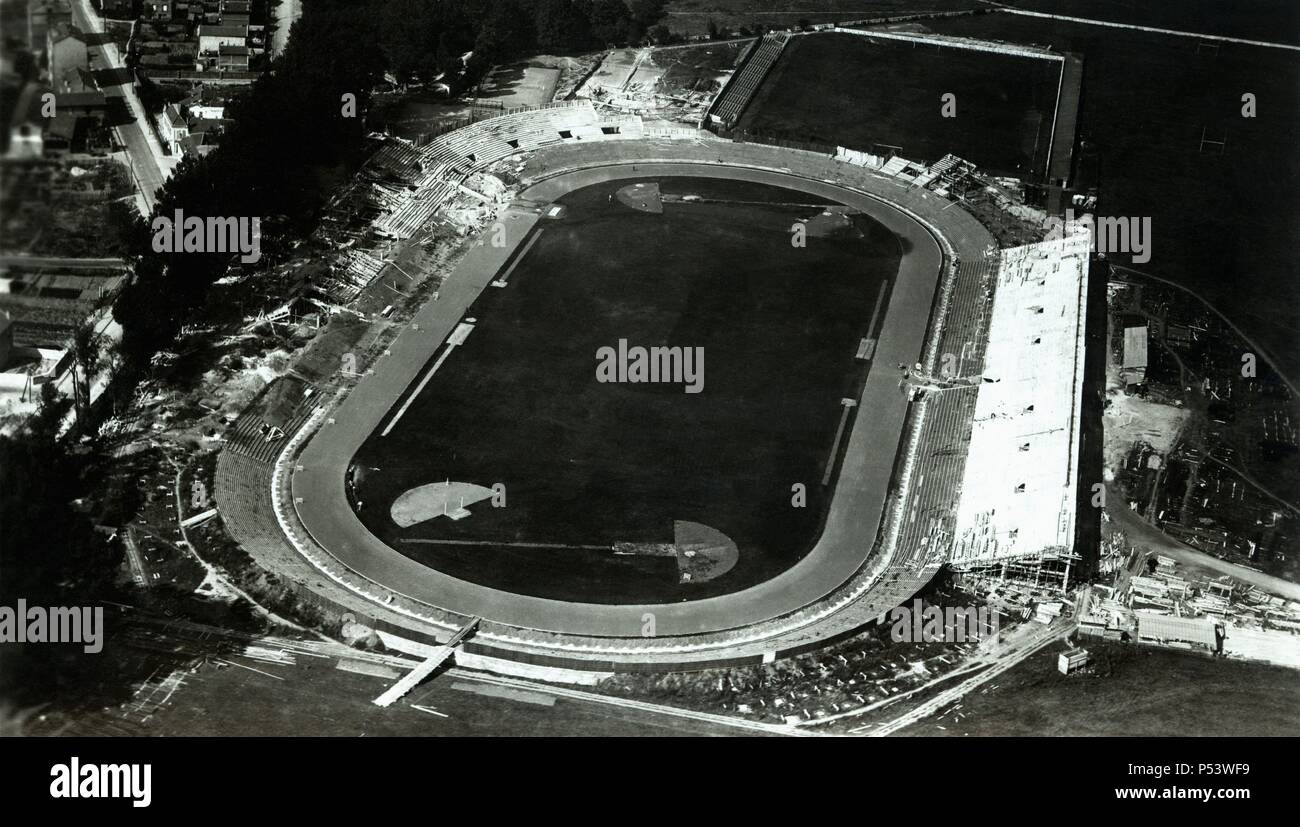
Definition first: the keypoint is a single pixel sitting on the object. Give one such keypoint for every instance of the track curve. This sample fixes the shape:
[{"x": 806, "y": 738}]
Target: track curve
[{"x": 857, "y": 502}]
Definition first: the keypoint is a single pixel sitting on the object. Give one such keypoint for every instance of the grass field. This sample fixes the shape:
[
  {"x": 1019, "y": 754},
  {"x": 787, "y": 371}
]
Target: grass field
[
  {"x": 1225, "y": 224},
  {"x": 859, "y": 92},
  {"x": 587, "y": 463},
  {"x": 1129, "y": 691},
  {"x": 1277, "y": 21},
  {"x": 692, "y": 16}
]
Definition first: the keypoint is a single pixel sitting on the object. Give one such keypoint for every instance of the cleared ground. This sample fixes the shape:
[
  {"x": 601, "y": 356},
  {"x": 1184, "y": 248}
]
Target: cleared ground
[
  {"x": 692, "y": 17},
  {"x": 1128, "y": 691},
  {"x": 590, "y": 466},
  {"x": 1224, "y": 219},
  {"x": 871, "y": 93}
]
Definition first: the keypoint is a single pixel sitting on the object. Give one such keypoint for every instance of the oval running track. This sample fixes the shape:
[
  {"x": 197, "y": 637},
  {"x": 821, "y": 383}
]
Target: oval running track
[{"x": 853, "y": 517}]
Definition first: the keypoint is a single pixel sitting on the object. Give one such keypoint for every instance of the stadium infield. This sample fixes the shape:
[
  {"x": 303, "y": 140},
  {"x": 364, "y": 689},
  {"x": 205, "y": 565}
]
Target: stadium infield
[
  {"x": 600, "y": 477},
  {"x": 848, "y": 532}
]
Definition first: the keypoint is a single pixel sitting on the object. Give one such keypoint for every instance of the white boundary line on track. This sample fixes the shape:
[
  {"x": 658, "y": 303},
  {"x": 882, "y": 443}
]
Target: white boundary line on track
[{"x": 279, "y": 471}]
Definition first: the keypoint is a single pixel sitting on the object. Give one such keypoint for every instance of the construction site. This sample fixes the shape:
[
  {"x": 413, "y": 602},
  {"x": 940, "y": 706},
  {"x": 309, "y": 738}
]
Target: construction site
[{"x": 298, "y": 466}]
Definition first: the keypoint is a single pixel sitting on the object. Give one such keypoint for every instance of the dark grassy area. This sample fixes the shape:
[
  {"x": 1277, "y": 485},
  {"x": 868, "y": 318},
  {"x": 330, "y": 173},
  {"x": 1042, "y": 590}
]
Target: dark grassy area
[
  {"x": 859, "y": 92},
  {"x": 1130, "y": 690},
  {"x": 1225, "y": 225},
  {"x": 696, "y": 69},
  {"x": 692, "y": 17},
  {"x": 315, "y": 698},
  {"x": 591, "y": 463},
  {"x": 1276, "y": 21}
]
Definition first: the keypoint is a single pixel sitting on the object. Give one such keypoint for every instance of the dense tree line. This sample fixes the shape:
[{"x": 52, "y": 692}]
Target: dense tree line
[
  {"x": 289, "y": 134},
  {"x": 292, "y": 130},
  {"x": 50, "y": 553},
  {"x": 288, "y": 131},
  {"x": 291, "y": 139},
  {"x": 497, "y": 30}
]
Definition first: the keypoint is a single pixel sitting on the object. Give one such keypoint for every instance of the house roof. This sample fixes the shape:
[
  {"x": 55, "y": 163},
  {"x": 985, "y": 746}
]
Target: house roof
[
  {"x": 223, "y": 31},
  {"x": 76, "y": 79},
  {"x": 1166, "y": 627},
  {"x": 80, "y": 99},
  {"x": 198, "y": 144},
  {"x": 63, "y": 31},
  {"x": 174, "y": 118},
  {"x": 198, "y": 125},
  {"x": 1135, "y": 347},
  {"x": 63, "y": 125}
]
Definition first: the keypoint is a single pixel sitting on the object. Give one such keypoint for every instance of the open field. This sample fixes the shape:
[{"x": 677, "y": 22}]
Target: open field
[
  {"x": 524, "y": 83},
  {"x": 869, "y": 94},
  {"x": 697, "y": 68},
  {"x": 1223, "y": 223},
  {"x": 691, "y": 17},
  {"x": 1129, "y": 691},
  {"x": 1272, "y": 20},
  {"x": 587, "y": 463}
]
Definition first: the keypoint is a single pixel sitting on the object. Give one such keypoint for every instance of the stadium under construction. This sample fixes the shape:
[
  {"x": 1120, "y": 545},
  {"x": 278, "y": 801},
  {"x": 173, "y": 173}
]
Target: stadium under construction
[{"x": 959, "y": 445}]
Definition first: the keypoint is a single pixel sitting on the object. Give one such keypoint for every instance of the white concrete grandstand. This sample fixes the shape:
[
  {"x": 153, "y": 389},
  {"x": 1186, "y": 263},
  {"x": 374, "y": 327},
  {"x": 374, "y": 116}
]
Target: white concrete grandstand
[
  {"x": 433, "y": 172},
  {"x": 1020, "y": 488}
]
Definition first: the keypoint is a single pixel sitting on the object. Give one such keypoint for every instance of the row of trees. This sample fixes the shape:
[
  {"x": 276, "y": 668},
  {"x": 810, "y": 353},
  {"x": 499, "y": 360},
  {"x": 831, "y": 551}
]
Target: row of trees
[
  {"x": 291, "y": 139},
  {"x": 50, "y": 553},
  {"x": 274, "y": 164},
  {"x": 496, "y": 30}
]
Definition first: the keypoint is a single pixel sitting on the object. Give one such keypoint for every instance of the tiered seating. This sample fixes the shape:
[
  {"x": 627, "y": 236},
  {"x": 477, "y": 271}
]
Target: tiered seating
[
  {"x": 966, "y": 330},
  {"x": 252, "y": 436},
  {"x": 944, "y": 164},
  {"x": 397, "y": 158},
  {"x": 1019, "y": 501},
  {"x": 478, "y": 145},
  {"x": 737, "y": 94},
  {"x": 894, "y": 165},
  {"x": 352, "y": 271},
  {"x": 930, "y": 509},
  {"x": 407, "y": 219},
  {"x": 445, "y": 161}
]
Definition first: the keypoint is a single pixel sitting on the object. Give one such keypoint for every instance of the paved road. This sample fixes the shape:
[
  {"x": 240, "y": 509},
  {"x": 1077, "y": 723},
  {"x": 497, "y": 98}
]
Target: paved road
[
  {"x": 310, "y": 695},
  {"x": 150, "y": 165},
  {"x": 857, "y": 501},
  {"x": 285, "y": 13},
  {"x": 61, "y": 262},
  {"x": 1140, "y": 531}
]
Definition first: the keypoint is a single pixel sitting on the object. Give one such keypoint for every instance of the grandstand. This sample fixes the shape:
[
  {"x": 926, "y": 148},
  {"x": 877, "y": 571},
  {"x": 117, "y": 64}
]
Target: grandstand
[
  {"x": 405, "y": 184},
  {"x": 927, "y": 518},
  {"x": 430, "y": 175},
  {"x": 1016, "y": 517},
  {"x": 744, "y": 84}
]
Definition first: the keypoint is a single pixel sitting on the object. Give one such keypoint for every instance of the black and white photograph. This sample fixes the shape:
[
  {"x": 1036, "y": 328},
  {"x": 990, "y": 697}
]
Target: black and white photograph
[{"x": 651, "y": 368}]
